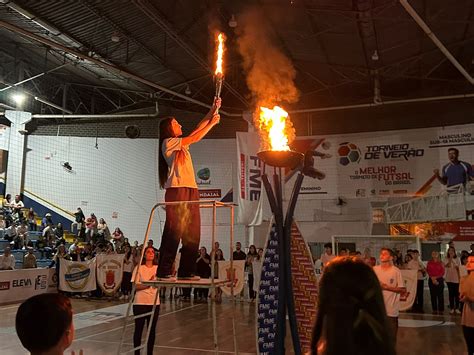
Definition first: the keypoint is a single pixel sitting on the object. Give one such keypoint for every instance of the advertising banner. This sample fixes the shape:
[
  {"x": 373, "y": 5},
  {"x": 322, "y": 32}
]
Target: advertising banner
[
  {"x": 19, "y": 285},
  {"x": 109, "y": 272},
  {"x": 236, "y": 274},
  {"x": 436, "y": 231},
  {"x": 249, "y": 184},
  {"x": 77, "y": 276},
  {"x": 410, "y": 280}
]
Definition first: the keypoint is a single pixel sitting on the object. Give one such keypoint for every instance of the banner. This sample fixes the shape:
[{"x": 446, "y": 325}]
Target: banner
[
  {"x": 109, "y": 272},
  {"x": 436, "y": 231},
  {"x": 249, "y": 189},
  {"x": 236, "y": 275},
  {"x": 410, "y": 279},
  {"x": 19, "y": 285},
  {"x": 77, "y": 276}
]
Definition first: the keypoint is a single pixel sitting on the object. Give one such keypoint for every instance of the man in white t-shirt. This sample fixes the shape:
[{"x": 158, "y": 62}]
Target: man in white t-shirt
[
  {"x": 327, "y": 256},
  {"x": 392, "y": 285}
]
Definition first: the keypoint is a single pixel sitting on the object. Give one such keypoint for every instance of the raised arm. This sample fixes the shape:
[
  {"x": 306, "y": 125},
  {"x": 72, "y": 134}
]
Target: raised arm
[
  {"x": 196, "y": 136},
  {"x": 441, "y": 179},
  {"x": 205, "y": 121}
]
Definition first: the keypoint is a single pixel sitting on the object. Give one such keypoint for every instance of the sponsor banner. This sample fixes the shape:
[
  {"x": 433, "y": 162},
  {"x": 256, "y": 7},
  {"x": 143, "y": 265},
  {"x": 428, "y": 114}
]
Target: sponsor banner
[
  {"x": 267, "y": 307},
  {"x": 236, "y": 275},
  {"x": 248, "y": 191},
  {"x": 77, "y": 276},
  {"x": 409, "y": 280},
  {"x": 19, "y": 285},
  {"x": 436, "y": 231},
  {"x": 109, "y": 272},
  {"x": 376, "y": 164},
  {"x": 210, "y": 194}
]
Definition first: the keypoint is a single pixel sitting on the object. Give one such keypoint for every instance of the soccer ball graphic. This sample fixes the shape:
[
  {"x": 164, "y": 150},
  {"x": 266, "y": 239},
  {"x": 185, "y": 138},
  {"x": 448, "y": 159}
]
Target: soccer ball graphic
[{"x": 348, "y": 153}]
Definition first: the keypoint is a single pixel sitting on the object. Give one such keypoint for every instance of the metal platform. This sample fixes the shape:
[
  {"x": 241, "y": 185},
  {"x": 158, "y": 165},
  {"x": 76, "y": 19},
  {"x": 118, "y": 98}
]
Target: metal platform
[{"x": 202, "y": 283}]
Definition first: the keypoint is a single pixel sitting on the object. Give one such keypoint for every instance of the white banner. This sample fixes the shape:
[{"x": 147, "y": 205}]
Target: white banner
[
  {"x": 410, "y": 281},
  {"x": 19, "y": 285},
  {"x": 249, "y": 190},
  {"x": 77, "y": 276},
  {"x": 236, "y": 275},
  {"x": 257, "y": 273},
  {"x": 109, "y": 272}
]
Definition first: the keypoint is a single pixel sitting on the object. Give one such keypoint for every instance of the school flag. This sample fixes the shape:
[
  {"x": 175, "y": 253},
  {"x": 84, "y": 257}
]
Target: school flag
[
  {"x": 410, "y": 279},
  {"x": 77, "y": 276},
  {"x": 234, "y": 275},
  {"x": 109, "y": 272}
]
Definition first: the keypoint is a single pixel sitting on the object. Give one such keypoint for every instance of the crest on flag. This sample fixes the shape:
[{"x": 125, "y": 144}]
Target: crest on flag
[{"x": 109, "y": 272}]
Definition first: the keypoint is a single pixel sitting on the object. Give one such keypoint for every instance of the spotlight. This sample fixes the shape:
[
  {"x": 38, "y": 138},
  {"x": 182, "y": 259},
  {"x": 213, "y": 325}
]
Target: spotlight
[
  {"x": 232, "y": 22},
  {"x": 115, "y": 37},
  {"x": 18, "y": 98},
  {"x": 188, "y": 91}
]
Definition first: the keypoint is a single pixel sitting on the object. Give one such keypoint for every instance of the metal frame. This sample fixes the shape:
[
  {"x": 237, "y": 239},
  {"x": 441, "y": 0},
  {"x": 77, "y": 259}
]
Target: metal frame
[{"x": 211, "y": 285}]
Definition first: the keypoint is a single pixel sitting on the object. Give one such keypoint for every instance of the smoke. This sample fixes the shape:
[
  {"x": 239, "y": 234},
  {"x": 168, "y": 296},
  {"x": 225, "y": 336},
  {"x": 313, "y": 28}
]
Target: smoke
[{"x": 270, "y": 74}]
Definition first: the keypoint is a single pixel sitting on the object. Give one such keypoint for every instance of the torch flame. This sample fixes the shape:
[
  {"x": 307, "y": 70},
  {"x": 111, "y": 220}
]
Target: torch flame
[
  {"x": 275, "y": 123},
  {"x": 220, "y": 53}
]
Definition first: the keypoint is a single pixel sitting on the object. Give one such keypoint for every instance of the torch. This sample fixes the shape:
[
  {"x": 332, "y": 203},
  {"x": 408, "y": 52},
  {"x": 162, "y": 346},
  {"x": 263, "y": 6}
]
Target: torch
[{"x": 219, "y": 74}]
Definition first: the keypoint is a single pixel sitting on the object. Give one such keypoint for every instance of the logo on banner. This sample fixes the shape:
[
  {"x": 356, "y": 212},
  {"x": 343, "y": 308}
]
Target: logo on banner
[
  {"x": 21, "y": 283},
  {"x": 109, "y": 272},
  {"x": 204, "y": 176},
  {"x": 41, "y": 282},
  {"x": 77, "y": 275},
  {"x": 213, "y": 193},
  {"x": 348, "y": 153},
  {"x": 4, "y": 285}
]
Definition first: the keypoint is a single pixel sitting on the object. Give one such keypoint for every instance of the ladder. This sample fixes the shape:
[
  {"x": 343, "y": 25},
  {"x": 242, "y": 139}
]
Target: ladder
[{"x": 211, "y": 283}]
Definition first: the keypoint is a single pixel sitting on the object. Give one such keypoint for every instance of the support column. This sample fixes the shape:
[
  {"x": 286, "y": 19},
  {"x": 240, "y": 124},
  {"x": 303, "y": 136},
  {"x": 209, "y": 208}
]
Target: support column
[{"x": 16, "y": 150}]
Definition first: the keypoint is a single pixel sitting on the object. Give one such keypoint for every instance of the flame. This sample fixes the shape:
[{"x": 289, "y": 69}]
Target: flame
[
  {"x": 275, "y": 124},
  {"x": 220, "y": 53}
]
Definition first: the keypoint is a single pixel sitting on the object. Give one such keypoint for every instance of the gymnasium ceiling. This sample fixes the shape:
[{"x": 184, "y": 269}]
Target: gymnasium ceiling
[{"x": 343, "y": 52}]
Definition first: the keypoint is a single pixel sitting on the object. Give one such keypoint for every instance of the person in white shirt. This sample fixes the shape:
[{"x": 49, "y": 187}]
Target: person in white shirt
[
  {"x": 327, "y": 256},
  {"x": 176, "y": 173},
  {"x": 7, "y": 260},
  {"x": 144, "y": 300},
  {"x": 416, "y": 264},
  {"x": 451, "y": 265},
  {"x": 16, "y": 206},
  {"x": 10, "y": 232},
  {"x": 392, "y": 285}
]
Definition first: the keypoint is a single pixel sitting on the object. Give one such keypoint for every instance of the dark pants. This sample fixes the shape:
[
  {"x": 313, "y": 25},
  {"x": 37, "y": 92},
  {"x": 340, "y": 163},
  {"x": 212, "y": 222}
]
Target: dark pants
[
  {"x": 420, "y": 287},
  {"x": 252, "y": 293},
  {"x": 140, "y": 324},
  {"x": 126, "y": 286},
  {"x": 453, "y": 291},
  {"x": 469, "y": 338},
  {"x": 183, "y": 222},
  {"x": 393, "y": 322},
  {"x": 436, "y": 293}
]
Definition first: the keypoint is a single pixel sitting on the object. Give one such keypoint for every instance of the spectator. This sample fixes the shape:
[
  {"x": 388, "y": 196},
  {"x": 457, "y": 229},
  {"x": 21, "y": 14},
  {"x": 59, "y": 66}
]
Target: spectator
[
  {"x": 327, "y": 256},
  {"x": 103, "y": 230},
  {"x": 368, "y": 258},
  {"x": 150, "y": 245},
  {"x": 416, "y": 264},
  {"x": 91, "y": 227},
  {"x": 58, "y": 232},
  {"x": 47, "y": 221},
  {"x": 466, "y": 289},
  {"x": 87, "y": 253},
  {"x": 392, "y": 285},
  {"x": 343, "y": 252},
  {"x": 10, "y": 232},
  {"x": 451, "y": 265},
  {"x": 61, "y": 253},
  {"x": 351, "y": 313},
  {"x": 218, "y": 257},
  {"x": 16, "y": 206},
  {"x": 7, "y": 210},
  {"x": 251, "y": 256},
  {"x": 109, "y": 248},
  {"x": 238, "y": 254},
  {"x": 435, "y": 270},
  {"x": 79, "y": 219},
  {"x": 203, "y": 270},
  {"x": 144, "y": 300},
  {"x": 21, "y": 239},
  {"x": 126, "y": 286},
  {"x": 29, "y": 260},
  {"x": 118, "y": 238},
  {"x": 32, "y": 220},
  {"x": 73, "y": 246},
  {"x": 44, "y": 324},
  {"x": 7, "y": 260}
]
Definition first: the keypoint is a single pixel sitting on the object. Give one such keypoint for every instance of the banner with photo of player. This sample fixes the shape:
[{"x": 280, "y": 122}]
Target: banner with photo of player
[
  {"x": 77, "y": 276},
  {"x": 109, "y": 272}
]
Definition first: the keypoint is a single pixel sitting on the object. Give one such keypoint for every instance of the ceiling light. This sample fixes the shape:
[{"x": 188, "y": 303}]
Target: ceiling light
[
  {"x": 187, "y": 91},
  {"x": 18, "y": 98},
  {"x": 232, "y": 22},
  {"x": 115, "y": 37},
  {"x": 375, "y": 56}
]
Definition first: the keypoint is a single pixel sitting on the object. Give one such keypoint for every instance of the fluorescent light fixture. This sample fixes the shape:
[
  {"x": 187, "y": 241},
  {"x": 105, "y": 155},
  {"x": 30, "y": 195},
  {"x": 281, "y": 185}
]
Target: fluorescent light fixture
[{"x": 18, "y": 98}]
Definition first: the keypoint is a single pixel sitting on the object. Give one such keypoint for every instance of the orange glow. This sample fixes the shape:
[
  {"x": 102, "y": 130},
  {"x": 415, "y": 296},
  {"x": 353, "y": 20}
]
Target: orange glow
[
  {"x": 220, "y": 54},
  {"x": 274, "y": 123}
]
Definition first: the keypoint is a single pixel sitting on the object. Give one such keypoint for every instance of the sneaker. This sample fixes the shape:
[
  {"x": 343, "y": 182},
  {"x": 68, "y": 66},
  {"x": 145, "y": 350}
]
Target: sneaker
[
  {"x": 458, "y": 311},
  {"x": 451, "y": 311}
]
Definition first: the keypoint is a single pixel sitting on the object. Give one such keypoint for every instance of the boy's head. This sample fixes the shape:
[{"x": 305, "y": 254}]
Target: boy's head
[{"x": 44, "y": 323}]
